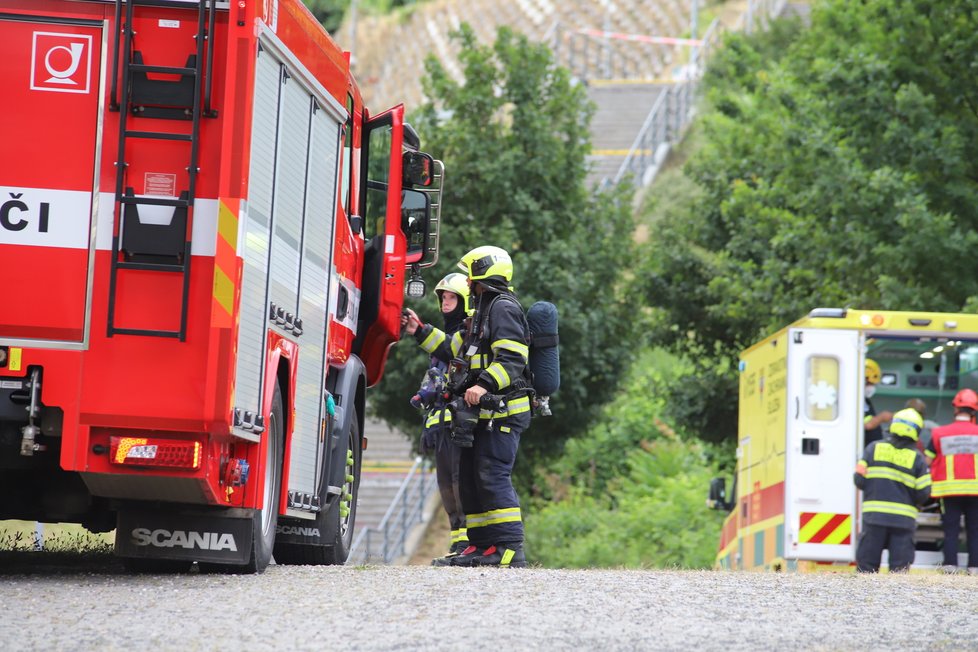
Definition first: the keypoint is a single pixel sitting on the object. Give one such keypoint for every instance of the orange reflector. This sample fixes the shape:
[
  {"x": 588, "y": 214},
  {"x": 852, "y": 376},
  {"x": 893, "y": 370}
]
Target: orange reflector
[
  {"x": 877, "y": 320},
  {"x": 146, "y": 451}
]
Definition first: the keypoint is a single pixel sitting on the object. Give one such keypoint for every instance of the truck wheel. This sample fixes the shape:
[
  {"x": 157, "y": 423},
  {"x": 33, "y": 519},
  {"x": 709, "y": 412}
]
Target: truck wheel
[
  {"x": 265, "y": 519},
  {"x": 342, "y": 515},
  {"x": 334, "y": 527}
]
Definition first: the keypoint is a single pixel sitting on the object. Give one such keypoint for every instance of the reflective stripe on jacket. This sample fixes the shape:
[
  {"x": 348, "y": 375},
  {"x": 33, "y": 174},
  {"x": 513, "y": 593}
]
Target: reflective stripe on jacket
[
  {"x": 894, "y": 478},
  {"x": 435, "y": 342},
  {"x": 439, "y": 416},
  {"x": 953, "y": 451}
]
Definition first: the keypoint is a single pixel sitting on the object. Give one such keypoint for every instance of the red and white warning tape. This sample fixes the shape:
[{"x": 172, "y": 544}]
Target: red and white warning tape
[{"x": 641, "y": 38}]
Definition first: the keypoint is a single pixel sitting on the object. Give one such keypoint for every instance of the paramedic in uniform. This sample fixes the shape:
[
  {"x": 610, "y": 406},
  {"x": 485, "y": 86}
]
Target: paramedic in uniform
[{"x": 953, "y": 452}]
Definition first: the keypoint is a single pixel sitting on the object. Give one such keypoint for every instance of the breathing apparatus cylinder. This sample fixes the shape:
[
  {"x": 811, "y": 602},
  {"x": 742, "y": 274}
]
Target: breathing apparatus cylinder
[{"x": 544, "y": 353}]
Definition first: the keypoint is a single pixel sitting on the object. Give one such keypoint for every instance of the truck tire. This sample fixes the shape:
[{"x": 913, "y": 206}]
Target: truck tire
[
  {"x": 335, "y": 528},
  {"x": 338, "y": 524},
  {"x": 266, "y": 518}
]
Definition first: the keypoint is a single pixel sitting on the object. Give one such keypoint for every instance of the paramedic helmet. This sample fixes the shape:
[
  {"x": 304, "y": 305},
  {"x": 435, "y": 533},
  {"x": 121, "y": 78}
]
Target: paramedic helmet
[{"x": 966, "y": 398}]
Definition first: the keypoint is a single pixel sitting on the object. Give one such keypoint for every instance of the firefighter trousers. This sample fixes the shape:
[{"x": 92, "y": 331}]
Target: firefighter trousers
[
  {"x": 447, "y": 457},
  {"x": 952, "y": 509},
  {"x": 492, "y": 508},
  {"x": 875, "y": 538}
]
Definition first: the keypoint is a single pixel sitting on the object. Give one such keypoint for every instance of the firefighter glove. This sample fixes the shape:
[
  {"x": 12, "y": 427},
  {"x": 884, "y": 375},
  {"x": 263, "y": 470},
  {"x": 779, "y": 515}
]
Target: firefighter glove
[{"x": 464, "y": 421}]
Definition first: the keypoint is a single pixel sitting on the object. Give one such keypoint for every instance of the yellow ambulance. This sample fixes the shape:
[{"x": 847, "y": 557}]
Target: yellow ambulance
[{"x": 794, "y": 505}]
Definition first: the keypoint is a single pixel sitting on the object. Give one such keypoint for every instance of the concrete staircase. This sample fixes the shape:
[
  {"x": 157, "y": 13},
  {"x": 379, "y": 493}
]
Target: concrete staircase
[{"x": 621, "y": 110}]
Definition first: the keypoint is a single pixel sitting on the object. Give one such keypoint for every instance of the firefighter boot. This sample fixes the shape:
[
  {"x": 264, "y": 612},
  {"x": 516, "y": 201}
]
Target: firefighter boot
[
  {"x": 502, "y": 556},
  {"x": 453, "y": 552},
  {"x": 466, "y": 556}
]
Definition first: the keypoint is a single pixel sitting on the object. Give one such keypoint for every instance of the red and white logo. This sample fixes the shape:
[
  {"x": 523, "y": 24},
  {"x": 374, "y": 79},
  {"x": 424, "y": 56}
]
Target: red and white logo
[{"x": 61, "y": 62}]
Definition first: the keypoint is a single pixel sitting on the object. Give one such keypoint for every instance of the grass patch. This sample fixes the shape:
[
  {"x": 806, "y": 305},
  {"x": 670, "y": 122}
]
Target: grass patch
[{"x": 21, "y": 536}]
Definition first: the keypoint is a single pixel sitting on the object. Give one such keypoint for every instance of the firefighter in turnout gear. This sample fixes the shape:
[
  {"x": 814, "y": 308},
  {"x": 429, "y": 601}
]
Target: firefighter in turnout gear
[
  {"x": 953, "y": 451},
  {"x": 493, "y": 382},
  {"x": 894, "y": 478},
  {"x": 453, "y": 298}
]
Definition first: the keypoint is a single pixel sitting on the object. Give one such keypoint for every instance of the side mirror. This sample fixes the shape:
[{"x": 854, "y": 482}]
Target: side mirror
[
  {"x": 415, "y": 218},
  {"x": 718, "y": 495},
  {"x": 417, "y": 169}
]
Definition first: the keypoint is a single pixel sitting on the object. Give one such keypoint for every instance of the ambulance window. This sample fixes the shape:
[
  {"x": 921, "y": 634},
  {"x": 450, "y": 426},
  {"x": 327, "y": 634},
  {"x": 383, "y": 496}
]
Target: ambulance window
[{"x": 822, "y": 388}]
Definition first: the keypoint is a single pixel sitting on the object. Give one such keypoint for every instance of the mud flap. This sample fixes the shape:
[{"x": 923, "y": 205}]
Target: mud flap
[
  {"x": 164, "y": 535},
  {"x": 299, "y": 532}
]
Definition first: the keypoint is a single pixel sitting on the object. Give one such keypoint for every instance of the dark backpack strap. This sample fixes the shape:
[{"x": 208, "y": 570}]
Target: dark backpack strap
[
  {"x": 544, "y": 340},
  {"x": 512, "y": 299}
]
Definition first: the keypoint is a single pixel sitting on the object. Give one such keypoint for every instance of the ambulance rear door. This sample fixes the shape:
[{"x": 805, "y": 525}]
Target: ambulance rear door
[{"x": 822, "y": 433}]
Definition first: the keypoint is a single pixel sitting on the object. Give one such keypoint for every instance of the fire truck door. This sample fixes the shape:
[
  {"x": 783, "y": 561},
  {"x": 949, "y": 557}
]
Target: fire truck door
[
  {"x": 51, "y": 82},
  {"x": 820, "y": 451}
]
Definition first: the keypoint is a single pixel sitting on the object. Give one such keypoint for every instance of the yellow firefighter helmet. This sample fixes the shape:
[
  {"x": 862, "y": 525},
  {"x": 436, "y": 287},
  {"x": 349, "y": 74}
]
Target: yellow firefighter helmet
[
  {"x": 487, "y": 262},
  {"x": 872, "y": 371},
  {"x": 907, "y": 423},
  {"x": 457, "y": 283}
]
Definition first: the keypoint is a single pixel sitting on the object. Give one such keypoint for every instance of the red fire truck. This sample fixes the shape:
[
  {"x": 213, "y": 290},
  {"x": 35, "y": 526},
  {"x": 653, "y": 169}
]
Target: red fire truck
[{"x": 206, "y": 240}]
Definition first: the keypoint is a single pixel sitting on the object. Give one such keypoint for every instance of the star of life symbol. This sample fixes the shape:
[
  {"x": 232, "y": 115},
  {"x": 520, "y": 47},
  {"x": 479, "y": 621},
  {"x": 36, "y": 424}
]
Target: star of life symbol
[
  {"x": 822, "y": 395},
  {"x": 61, "y": 62}
]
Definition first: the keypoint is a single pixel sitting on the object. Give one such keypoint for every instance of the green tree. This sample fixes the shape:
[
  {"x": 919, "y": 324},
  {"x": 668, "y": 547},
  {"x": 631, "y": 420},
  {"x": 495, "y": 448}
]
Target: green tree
[
  {"x": 837, "y": 171},
  {"x": 514, "y": 136},
  {"x": 651, "y": 515},
  {"x": 328, "y": 12},
  {"x": 331, "y": 12},
  {"x": 630, "y": 491}
]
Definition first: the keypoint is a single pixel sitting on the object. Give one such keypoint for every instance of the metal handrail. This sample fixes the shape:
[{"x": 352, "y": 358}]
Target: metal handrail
[
  {"x": 400, "y": 517},
  {"x": 640, "y": 138}
]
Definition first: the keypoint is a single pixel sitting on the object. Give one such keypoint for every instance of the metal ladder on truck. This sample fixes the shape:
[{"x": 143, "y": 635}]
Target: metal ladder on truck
[{"x": 144, "y": 246}]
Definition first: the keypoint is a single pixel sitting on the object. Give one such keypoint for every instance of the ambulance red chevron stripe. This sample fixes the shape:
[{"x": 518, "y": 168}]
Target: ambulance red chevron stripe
[{"x": 818, "y": 527}]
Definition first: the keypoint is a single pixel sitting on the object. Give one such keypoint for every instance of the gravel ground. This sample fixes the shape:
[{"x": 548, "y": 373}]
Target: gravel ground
[{"x": 424, "y": 608}]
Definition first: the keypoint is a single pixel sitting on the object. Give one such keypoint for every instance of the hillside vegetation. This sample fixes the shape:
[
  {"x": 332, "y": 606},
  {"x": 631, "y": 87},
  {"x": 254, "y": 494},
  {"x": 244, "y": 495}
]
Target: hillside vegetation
[{"x": 838, "y": 168}]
